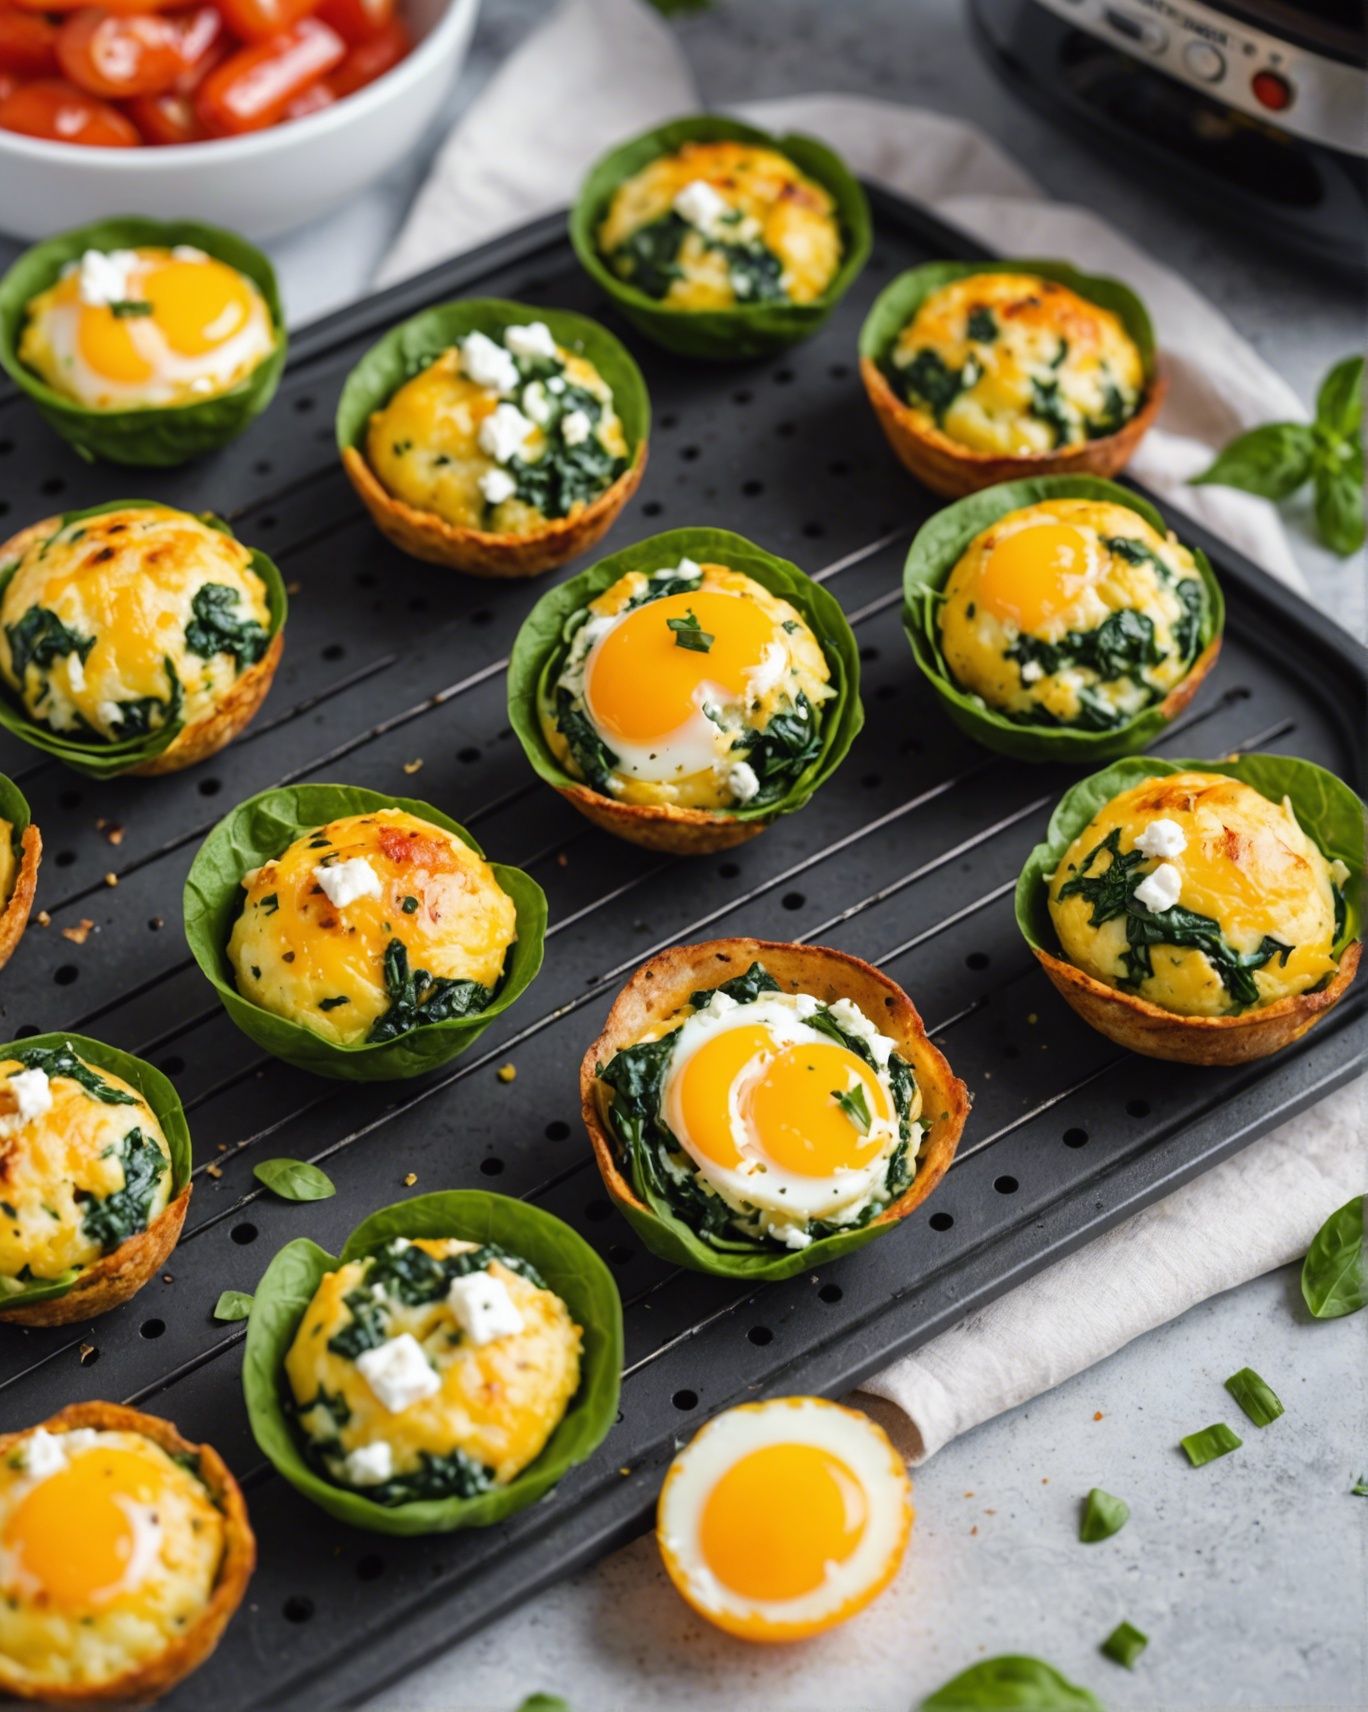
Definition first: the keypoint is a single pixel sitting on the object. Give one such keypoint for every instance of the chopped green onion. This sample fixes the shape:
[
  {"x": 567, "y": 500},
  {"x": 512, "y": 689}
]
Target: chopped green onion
[
  {"x": 1125, "y": 1644},
  {"x": 1102, "y": 1516},
  {"x": 1255, "y": 1396},
  {"x": 689, "y": 633},
  {"x": 853, "y": 1103},
  {"x": 1210, "y": 1443}
]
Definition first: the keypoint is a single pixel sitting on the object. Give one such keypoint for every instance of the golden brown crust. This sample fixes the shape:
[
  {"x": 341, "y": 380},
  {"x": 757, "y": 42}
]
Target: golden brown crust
[
  {"x": 663, "y": 986},
  {"x": 14, "y": 916},
  {"x": 1182, "y": 693},
  {"x": 1156, "y": 1033},
  {"x": 953, "y": 470},
  {"x": 115, "y": 1277},
  {"x": 208, "y": 735},
  {"x": 423, "y": 535},
  {"x": 662, "y": 826},
  {"x": 188, "y": 1650}
]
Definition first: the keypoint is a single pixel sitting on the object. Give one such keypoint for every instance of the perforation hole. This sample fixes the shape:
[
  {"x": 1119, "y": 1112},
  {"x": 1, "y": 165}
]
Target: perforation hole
[
  {"x": 64, "y": 858},
  {"x": 366, "y": 579},
  {"x": 978, "y": 960},
  {"x": 729, "y": 870},
  {"x": 556, "y": 1130},
  {"x": 334, "y": 651},
  {"x": 885, "y": 692},
  {"x": 618, "y": 1253},
  {"x": 470, "y": 754},
  {"x": 1006, "y": 1185},
  {"x": 872, "y": 781},
  {"x": 814, "y": 531},
  {"x": 66, "y": 974},
  {"x": 155, "y": 923},
  {"x": 838, "y": 467},
  {"x": 481, "y": 616},
  {"x": 243, "y": 1234},
  {"x": 685, "y": 1399},
  {"x": 1075, "y": 1138},
  {"x": 210, "y": 787},
  {"x": 267, "y": 522},
  {"x": 298, "y": 1608},
  {"x": 262, "y": 467},
  {"x": 742, "y": 395},
  {"x": 371, "y": 1567},
  {"x": 172, "y": 1066},
  {"x": 690, "y": 454},
  {"x": 941, "y": 1221},
  {"x": 89, "y": 1355},
  {"x": 491, "y": 1167},
  {"x": 783, "y": 377},
  {"x": 669, "y": 420},
  {"x": 760, "y": 1336},
  {"x": 869, "y": 652},
  {"x": 151, "y": 1328},
  {"x": 793, "y": 900},
  {"x": 303, "y": 405},
  {"x": 830, "y": 1293},
  {"x": 26, "y": 1029},
  {"x": 752, "y": 489},
  {"x": 1137, "y": 1108},
  {"x": 652, "y": 508},
  {"x": 53, "y": 484},
  {"x": 70, "y": 799},
  {"x": 786, "y": 430},
  {"x": 597, "y": 1211},
  {"x": 839, "y": 371}
]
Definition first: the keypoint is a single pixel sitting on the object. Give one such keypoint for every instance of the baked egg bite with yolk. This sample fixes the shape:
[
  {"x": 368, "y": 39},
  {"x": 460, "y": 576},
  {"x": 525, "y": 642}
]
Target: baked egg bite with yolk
[
  {"x": 781, "y": 1520},
  {"x": 146, "y": 328},
  {"x": 124, "y": 1550},
  {"x": 1195, "y": 893},
  {"x": 372, "y": 925},
  {"x": 722, "y": 224},
  {"x": 121, "y": 622},
  {"x": 87, "y": 1193},
  {"x": 1074, "y": 613},
  {"x": 433, "y": 1368}
]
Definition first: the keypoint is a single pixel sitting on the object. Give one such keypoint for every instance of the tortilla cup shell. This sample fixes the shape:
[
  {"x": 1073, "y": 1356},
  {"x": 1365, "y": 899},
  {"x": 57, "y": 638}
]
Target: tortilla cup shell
[
  {"x": 14, "y": 917},
  {"x": 218, "y": 729},
  {"x": 188, "y": 1650},
  {"x": 423, "y": 535},
  {"x": 663, "y": 986},
  {"x": 662, "y": 826},
  {"x": 953, "y": 470},
  {"x": 113, "y": 1278},
  {"x": 1142, "y": 1027}
]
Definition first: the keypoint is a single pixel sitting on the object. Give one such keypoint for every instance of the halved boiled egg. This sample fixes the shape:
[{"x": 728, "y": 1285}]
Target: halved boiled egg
[
  {"x": 781, "y": 1519},
  {"x": 139, "y": 328}
]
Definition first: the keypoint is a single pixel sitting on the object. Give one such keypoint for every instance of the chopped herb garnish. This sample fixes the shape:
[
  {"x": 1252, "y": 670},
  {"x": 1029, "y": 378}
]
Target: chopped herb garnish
[
  {"x": 409, "y": 906},
  {"x": 332, "y": 1004},
  {"x": 130, "y": 308},
  {"x": 855, "y": 1104},
  {"x": 1360, "y": 1487},
  {"x": 1103, "y": 1515},
  {"x": 1255, "y": 1396},
  {"x": 1210, "y": 1443},
  {"x": 270, "y": 903},
  {"x": 689, "y": 633},
  {"x": 1125, "y": 1644}
]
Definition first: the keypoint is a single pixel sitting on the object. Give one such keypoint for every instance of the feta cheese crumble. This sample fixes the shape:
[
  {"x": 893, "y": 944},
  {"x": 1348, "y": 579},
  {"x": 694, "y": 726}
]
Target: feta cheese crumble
[
  {"x": 76, "y": 672},
  {"x": 104, "y": 276},
  {"x": 344, "y": 882},
  {"x": 1162, "y": 838},
  {"x": 488, "y": 364},
  {"x": 504, "y": 432},
  {"x": 44, "y": 1453},
  {"x": 32, "y": 1094},
  {"x": 700, "y": 205},
  {"x": 1032, "y": 672},
  {"x": 369, "y": 1464},
  {"x": 743, "y": 782},
  {"x": 575, "y": 427},
  {"x": 483, "y": 1308},
  {"x": 1159, "y": 890},
  {"x": 533, "y": 339},
  {"x": 398, "y": 1372},
  {"x": 497, "y": 486},
  {"x": 109, "y": 713}
]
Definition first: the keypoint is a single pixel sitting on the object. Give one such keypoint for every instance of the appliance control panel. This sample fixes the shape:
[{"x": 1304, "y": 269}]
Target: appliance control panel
[{"x": 1300, "y": 92}]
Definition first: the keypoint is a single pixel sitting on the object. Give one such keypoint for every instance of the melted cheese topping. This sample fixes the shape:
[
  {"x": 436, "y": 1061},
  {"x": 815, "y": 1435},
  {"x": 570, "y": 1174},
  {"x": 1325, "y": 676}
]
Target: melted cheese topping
[
  {"x": 157, "y": 327},
  {"x": 57, "y": 1166},
  {"x": 498, "y": 1401},
  {"x": 296, "y": 953},
  {"x": 678, "y": 720},
  {"x": 1247, "y": 865},
  {"x": 779, "y": 209},
  {"x": 1053, "y": 573},
  {"x": 1031, "y": 364},
  {"x": 9, "y": 862},
  {"x": 109, "y": 1549},
  {"x": 424, "y": 445},
  {"x": 104, "y": 612}
]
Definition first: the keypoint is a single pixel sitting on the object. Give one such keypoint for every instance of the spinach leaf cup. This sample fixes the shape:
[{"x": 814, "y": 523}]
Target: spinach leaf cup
[
  {"x": 1059, "y": 619},
  {"x": 431, "y": 1302},
  {"x": 135, "y": 638},
  {"x": 1202, "y": 911},
  {"x": 21, "y": 850},
  {"x": 986, "y": 372},
  {"x": 160, "y": 1516},
  {"x": 719, "y": 240},
  {"x": 685, "y": 692},
  {"x": 757, "y": 1109},
  {"x": 359, "y": 935},
  {"x": 144, "y": 341},
  {"x": 97, "y": 1178},
  {"x": 495, "y": 438}
]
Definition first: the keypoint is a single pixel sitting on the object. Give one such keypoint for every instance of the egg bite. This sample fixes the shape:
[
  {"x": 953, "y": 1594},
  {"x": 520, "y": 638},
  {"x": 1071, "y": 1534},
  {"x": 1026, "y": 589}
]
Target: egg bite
[
  {"x": 92, "y": 1198},
  {"x": 21, "y": 850},
  {"x": 1196, "y": 918},
  {"x": 430, "y": 1369},
  {"x": 125, "y": 623},
  {"x": 372, "y": 925},
  {"x": 780, "y": 1520},
  {"x": 992, "y": 375},
  {"x": 511, "y": 444},
  {"x": 124, "y": 1552},
  {"x": 1075, "y": 613},
  {"x": 778, "y": 1102}
]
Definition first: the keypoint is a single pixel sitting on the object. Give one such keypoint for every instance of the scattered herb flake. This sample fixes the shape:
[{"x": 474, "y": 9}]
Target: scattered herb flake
[
  {"x": 689, "y": 633},
  {"x": 855, "y": 1105},
  {"x": 1125, "y": 1644},
  {"x": 1103, "y": 1516},
  {"x": 1255, "y": 1396},
  {"x": 233, "y": 1305},
  {"x": 1210, "y": 1443}
]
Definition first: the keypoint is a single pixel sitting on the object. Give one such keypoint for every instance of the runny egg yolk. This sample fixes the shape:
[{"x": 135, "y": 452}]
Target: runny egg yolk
[
  {"x": 779, "y": 1518},
  {"x": 785, "y": 1099},
  {"x": 75, "y": 1534},
  {"x": 1035, "y": 573},
  {"x": 197, "y": 306},
  {"x": 641, "y": 685}
]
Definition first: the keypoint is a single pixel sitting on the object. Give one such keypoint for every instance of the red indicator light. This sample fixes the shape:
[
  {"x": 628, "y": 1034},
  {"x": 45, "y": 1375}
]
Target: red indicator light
[{"x": 1271, "y": 90}]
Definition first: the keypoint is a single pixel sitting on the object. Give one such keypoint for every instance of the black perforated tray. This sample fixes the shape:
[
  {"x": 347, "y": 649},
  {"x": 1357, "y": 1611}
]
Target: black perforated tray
[{"x": 907, "y": 857}]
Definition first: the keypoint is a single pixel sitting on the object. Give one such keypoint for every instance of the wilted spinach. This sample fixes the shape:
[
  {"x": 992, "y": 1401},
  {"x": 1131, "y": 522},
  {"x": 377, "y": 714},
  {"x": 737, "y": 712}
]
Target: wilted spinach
[
  {"x": 217, "y": 628},
  {"x": 416, "y": 997},
  {"x": 111, "y": 1220},
  {"x": 62, "y": 1061},
  {"x": 40, "y": 637}
]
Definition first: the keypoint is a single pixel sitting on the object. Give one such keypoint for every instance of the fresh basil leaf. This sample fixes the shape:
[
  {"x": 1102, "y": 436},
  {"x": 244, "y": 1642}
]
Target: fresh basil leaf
[
  {"x": 1125, "y": 1644},
  {"x": 233, "y": 1305},
  {"x": 1272, "y": 461},
  {"x": 1210, "y": 1443},
  {"x": 689, "y": 633},
  {"x": 1103, "y": 1515},
  {"x": 1339, "y": 403},
  {"x": 1339, "y": 505},
  {"x": 294, "y": 1179},
  {"x": 854, "y": 1103},
  {"x": 1011, "y": 1683},
  {"x": 1334, "y": 1278},
  {"x": 1255, "y": 1396}
]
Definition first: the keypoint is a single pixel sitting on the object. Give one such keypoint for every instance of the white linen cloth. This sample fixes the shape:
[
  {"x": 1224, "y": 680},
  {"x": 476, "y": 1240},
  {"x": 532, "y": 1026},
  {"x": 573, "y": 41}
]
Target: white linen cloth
[{"x": 601, "y": 70}]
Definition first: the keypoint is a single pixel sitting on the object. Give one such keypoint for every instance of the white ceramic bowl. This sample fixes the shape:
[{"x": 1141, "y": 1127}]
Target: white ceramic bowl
[{"x": 258, "y": 184}]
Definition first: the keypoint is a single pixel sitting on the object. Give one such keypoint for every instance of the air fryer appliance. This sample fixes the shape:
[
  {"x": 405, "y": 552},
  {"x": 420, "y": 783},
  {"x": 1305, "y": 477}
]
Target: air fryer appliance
[{"x": 1257, "y": 108}]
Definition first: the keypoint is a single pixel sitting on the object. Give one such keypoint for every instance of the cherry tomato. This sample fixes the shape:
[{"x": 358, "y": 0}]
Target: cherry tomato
[
  {"x": 8, "y": 84},
  {"x": 369, "y": 60},
  {"x": 122, "y": 7},
  {"x": 255, "y": 20},
  {"x": 115, "y": 57},
  {"x": 204, "y": 41},
  {"x": 28, "y": 46},
  {"x": 62, "y": 113},
  {"x": 166, "y": 118},
  {"x": 356, "y": 20},
  {"x": 314, "y": 99},
  {"x": 253, "y": 87}
]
